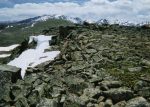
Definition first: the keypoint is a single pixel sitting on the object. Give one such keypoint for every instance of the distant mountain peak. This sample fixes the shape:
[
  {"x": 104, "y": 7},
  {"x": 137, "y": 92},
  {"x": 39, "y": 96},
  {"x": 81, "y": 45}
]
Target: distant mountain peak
[{"x": 47, "y": 17}]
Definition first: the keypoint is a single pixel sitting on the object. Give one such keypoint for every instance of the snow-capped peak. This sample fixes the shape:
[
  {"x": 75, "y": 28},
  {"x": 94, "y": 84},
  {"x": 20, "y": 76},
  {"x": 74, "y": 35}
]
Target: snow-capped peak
[
  {"x": 72, "y": 19},
  {"x": 47, "y": 17}
]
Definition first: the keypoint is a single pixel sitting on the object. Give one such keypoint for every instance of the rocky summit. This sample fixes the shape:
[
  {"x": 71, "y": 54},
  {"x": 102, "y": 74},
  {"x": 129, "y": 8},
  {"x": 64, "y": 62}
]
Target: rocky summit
[{"x": 99, "y": 66}]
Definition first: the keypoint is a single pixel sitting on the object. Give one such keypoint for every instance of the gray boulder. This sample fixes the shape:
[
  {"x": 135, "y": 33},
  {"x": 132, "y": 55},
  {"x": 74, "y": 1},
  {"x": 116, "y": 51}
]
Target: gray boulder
[
  {"x": 137, "y": 102},
  {"x": 8, "y": 74},
  {"x": 118, "y": 94}
]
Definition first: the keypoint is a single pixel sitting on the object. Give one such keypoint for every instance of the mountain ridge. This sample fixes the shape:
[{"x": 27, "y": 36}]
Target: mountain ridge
[{"x": 46, "y": 17}]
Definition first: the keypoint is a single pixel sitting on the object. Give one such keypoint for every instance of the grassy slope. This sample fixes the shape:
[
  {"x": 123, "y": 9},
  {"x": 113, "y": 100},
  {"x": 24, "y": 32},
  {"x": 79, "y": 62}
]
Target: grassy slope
[{"x": 18, "y": 33}]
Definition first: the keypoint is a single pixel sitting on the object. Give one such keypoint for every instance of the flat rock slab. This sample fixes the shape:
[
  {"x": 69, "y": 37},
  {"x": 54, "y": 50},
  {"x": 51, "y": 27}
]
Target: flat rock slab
[{"x": 9, "y": 73}]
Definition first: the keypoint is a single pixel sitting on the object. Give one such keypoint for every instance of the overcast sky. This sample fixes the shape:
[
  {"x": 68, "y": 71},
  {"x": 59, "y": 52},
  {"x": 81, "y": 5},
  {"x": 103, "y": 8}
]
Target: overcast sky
[{"x": 122, "y": 10}]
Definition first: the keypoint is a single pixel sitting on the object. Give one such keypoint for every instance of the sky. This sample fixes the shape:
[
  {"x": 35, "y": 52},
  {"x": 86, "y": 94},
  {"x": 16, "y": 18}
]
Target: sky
[{"x": 135, "y": 11}]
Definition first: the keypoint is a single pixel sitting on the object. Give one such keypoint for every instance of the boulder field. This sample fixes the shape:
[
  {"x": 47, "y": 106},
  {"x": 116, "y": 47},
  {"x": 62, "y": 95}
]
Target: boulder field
[{"x": 99, "y": 66}]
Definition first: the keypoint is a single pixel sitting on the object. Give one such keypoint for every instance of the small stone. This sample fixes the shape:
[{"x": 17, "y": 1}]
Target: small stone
[
  {"x": 77, "y": 56},
  {"x": 96, "y": 105},
  {"x": 96, "y": 58},
  {"x": 90, "y": 51},
  {"x": 91, "y": 92},
  {"x": 108, "y": 36},
  {"x": 145, "y": 92},
  {"x": 84, "y": 100},
  {"x": 120, "y": 104},
  {"x": 47, "y": 103},
  {"x": 104, "y": 88},
  {"x": 101, "y": 99},
  {"x": 80, "y": 101},
  {"x": 108, "y": 103},
  {"x": 146, "y": 62},
  {"x": 77, "y": 67},
  {"x": 90, "y": 105},
  {"x": 63, "y": 98},
  {"x": 21, "y": 102},
  {"x": 111, "y": 84},
  {"x": 101, "y": 104},
  {"x": 135, "y": 69},
  {"x": 31, "y": 70},
  {"x": 96, "y": 80},
  {"x": 139, "y": 85}
]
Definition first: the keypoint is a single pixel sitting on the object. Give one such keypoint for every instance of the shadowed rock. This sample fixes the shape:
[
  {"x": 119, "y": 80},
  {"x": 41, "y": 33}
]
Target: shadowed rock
[{"x": 8, "y": 74}]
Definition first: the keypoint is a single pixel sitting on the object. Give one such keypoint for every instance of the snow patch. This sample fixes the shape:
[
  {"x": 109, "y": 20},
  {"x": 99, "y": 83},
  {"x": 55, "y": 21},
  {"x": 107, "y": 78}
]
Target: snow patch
[
  {"x": 34, "y": 57},
  {"x": 71, "y": 19},
  {"x": 32, "y": 24},
  {"x": 9, "y": 48},
  {"x": 9, "y": 26},
  {"x": 4, "y": 55}
]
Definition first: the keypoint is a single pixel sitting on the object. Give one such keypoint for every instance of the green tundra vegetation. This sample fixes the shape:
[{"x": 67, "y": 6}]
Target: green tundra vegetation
[{"x": 16, "y": 33}]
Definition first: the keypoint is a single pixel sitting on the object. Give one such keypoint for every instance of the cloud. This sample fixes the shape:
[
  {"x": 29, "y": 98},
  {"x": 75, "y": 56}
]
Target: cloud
[{"x": 122, "y": 10}]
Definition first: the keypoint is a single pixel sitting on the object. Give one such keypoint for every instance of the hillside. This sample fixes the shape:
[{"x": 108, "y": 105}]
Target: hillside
[
  {"x": 15, "y": 33},
  {"x": 99, "y": 66}
]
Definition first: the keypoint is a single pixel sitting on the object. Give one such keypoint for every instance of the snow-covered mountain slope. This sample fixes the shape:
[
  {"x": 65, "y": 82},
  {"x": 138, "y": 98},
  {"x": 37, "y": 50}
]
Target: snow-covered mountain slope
[{"x": 46, "y": 17}]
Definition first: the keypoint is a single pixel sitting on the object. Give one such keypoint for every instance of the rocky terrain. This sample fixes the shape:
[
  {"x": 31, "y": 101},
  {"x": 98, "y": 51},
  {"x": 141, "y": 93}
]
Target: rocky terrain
[{"x": 99, "y": 66}]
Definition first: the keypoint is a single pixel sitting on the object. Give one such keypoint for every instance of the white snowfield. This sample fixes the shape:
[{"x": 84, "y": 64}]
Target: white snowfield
[
  {"x": 9, "y": 48},
  {"x": 34, "y": 57}
]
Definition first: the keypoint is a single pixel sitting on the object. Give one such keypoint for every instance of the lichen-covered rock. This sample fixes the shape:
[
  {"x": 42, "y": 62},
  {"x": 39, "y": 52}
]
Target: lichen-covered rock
[
  {"x": 108, "y": 103},
  {"x": 140, "y": 84},
  {"x": 135, "y": 69},
  {"x": 73, "y": 100},
  {"x": 101, "y": 104},
  {"x": 111, "y": 84},
  {"x": 21, "y": 102},
  {"x": 137, "y": 102},
  {"x": 145, "y": 92},
  {"x": 142, "y": 88},
  {"x": 146, "y": 62},
  {"x": 118, "y": 94},
  {"x": 44, "y": 102},
  {"x": 91, "y": 92},
  {"x": 120, "y": 104}
]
